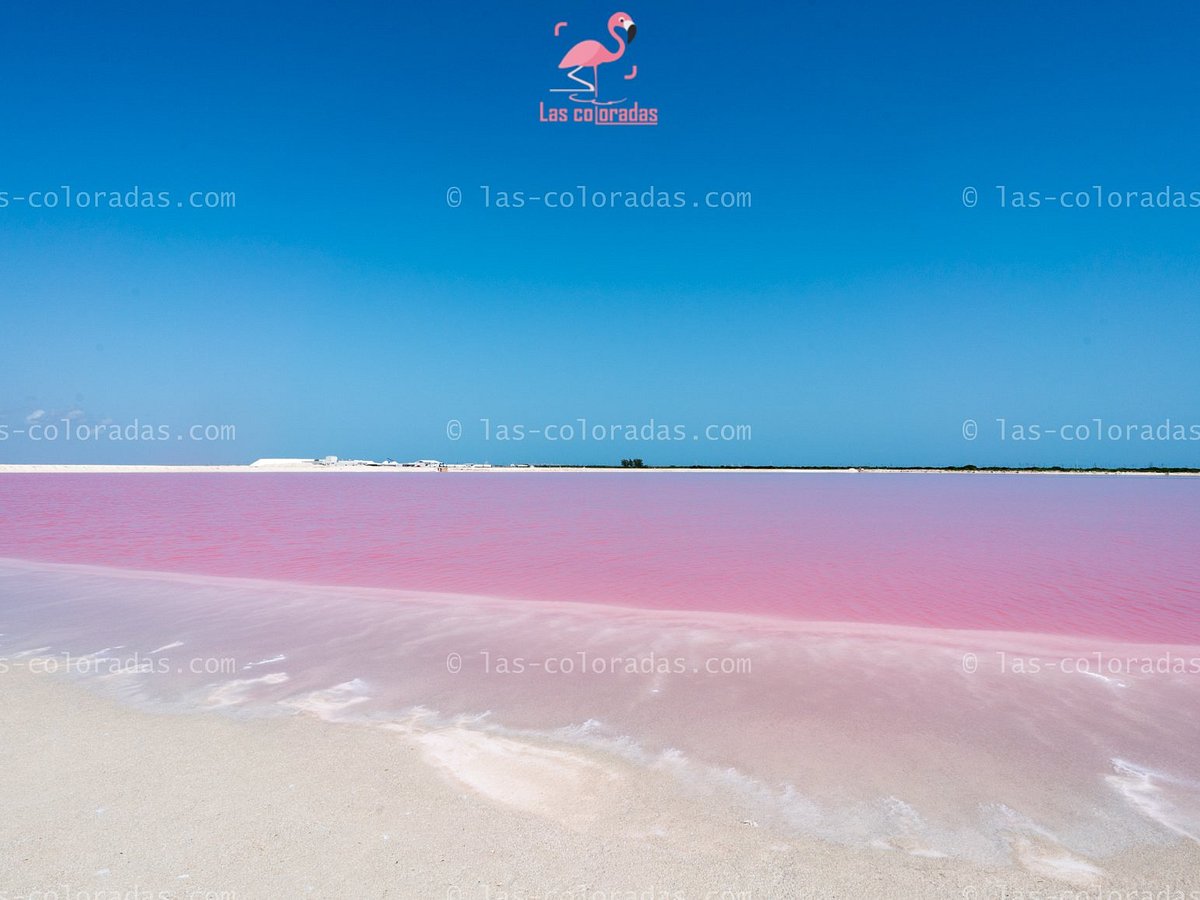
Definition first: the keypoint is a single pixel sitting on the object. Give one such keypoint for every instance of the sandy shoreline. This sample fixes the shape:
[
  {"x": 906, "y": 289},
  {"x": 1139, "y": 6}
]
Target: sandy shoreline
[{"x": 105, "y": 797}]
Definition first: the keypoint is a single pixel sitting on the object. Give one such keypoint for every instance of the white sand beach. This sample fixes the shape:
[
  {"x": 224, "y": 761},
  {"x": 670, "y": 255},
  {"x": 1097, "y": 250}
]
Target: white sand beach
[{"x": 104, "y": 798}]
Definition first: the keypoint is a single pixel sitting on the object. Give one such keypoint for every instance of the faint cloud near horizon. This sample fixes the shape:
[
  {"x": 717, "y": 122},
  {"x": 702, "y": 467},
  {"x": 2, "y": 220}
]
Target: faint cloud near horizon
[{"x": 72, "y": 414}]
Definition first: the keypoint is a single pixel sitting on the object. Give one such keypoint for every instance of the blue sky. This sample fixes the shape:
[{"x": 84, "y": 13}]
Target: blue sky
[{"x": 856, "y": 313}]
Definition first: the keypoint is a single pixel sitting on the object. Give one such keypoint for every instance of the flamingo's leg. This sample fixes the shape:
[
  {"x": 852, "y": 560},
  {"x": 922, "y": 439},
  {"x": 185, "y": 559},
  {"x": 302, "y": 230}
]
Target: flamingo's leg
[
  {"x": 596, "y": 78},
  {"x": 576, "y": 78}
]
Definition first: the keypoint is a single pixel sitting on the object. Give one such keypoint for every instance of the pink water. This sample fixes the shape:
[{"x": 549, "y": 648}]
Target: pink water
[
  {"x": 1110, "y": 556},
  {"x": 951, "y": 665}
]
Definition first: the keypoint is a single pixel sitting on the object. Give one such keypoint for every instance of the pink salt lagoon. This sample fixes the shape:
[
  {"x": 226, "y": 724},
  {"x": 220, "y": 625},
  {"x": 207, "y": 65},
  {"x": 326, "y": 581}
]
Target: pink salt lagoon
[
  {"x": 1000, "y": 668},
  {"x": 1116, "y": 557}
]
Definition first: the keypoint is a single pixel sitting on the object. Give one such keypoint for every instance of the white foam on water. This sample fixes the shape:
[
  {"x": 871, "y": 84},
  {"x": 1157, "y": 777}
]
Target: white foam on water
[
  {"x": 236, "y": 692},
  {"x": 1104, "y": 678},
  {"x": 37, "y": 651},
  {"x": 171, "y": 646},
  {"x": 784, "y": 807},
  {"x": 266, "y": 662},
  {"x": 331, "y": 703},
  {"x": 1144, "y": 790}
]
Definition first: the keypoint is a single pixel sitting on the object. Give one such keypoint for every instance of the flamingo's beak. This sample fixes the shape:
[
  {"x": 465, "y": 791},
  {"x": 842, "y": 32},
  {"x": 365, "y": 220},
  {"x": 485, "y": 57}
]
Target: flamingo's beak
[{"x": 630, "y": 31}]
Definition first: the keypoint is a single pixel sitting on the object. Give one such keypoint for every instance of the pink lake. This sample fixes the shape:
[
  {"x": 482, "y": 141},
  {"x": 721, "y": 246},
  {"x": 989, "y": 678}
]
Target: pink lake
[{"x": 1108, "y": 556}]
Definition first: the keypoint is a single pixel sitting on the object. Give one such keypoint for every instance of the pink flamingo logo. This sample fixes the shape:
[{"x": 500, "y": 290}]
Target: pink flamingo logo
[{"x": 593, "y": 54}]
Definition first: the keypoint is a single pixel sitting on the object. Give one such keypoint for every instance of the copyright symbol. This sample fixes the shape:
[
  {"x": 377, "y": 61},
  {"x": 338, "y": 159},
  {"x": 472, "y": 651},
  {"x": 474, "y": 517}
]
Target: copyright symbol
[
  {"x": 970, "y": 663},
  {"x": 454, "y": 429},
  {"x": 970, "y": 429},
  {"x": 454, "y": 197},
  {"x": 454, "y": 663},
  {"x": 970, "y": 197}
]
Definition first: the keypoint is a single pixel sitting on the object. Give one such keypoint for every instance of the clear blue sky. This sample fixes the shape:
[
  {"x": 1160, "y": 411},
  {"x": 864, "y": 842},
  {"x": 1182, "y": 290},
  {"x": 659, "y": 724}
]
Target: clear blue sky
[{"x": 857, "y": 312}]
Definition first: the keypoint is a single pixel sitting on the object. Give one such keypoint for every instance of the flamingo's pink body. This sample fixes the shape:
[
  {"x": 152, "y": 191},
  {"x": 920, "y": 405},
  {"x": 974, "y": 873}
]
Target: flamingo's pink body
[{"x": 593, "y": 54}]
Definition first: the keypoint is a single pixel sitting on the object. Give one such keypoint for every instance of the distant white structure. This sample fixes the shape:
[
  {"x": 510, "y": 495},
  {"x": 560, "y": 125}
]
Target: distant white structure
[{"x": 336, "y": 463}]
